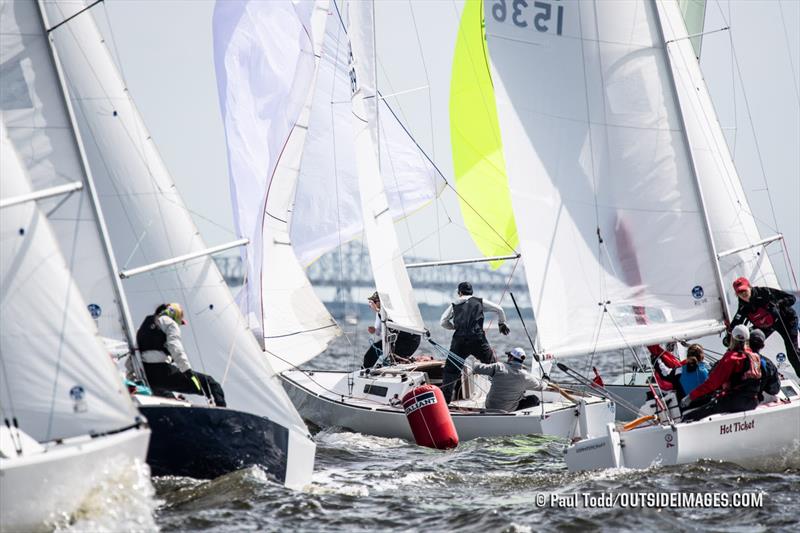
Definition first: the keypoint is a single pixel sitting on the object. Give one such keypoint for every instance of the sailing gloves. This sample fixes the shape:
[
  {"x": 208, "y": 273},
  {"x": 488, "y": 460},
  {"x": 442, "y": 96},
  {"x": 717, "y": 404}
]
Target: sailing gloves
[
  {"x": 191, "y": 377},
  {"x": 504, "y": 329},
  {"x": 685, "y": 402}
]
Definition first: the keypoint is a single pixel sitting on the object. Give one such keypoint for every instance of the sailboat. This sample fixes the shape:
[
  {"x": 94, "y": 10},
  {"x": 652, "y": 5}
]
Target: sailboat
[
  {"x": 366, "y": 402},
  {"x": 164, "y": 259},
  {"x": 623, "y": 186},
  {"x": 66, "y": 414}
]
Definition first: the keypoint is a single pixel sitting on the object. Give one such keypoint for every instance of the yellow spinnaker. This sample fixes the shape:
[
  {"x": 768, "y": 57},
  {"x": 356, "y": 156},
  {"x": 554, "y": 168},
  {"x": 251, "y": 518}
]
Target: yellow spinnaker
[{"x": 480, "y": 170}]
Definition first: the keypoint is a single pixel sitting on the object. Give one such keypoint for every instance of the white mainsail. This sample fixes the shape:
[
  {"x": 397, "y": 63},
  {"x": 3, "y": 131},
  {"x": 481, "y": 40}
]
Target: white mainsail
[
  {"x": 386, "y": 258},
  {"x": 327, "y": 206},
  {"x": 729, "y": 212},
  {"x": 148, "y": 223},
  {"x": 616, "y": 248},
  {"x": 39, "y": 124},
  {"x": 56, "y": 379},
  {"x": 266, "y": 55}
]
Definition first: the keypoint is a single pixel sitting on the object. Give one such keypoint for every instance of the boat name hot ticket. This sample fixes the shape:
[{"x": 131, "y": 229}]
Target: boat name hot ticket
[{"x": 650, "y": 500}]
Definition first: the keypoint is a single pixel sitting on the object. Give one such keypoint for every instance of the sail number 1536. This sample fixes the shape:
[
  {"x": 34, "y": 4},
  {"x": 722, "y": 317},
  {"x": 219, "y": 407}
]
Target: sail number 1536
[{"x": 519, "y": 11}]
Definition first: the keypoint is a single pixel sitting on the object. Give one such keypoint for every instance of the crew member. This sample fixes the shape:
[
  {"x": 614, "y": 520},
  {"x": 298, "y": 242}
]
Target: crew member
[
  {"x": 404, "y": 343},
  {"x": 664, "y": 362},
  {"x": 769, "y": 310},
  {"x": 465, "y": 317},
  {"x": 509, "y": 382},
  {"x": 736, "y": 380},
  {"x": 165, "y": 362},
  {"x": 770, "y": 377}
]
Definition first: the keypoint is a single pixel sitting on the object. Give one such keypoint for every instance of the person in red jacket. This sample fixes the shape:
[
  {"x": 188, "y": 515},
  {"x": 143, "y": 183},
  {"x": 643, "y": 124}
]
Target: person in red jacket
[
  {"x": 735, "y": 380},
  {"x": 663, "y": 361}
]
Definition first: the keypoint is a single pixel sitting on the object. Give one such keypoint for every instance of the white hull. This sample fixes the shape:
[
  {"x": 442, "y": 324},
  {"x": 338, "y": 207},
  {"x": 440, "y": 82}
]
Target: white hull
[
  {"x": 767, "y": 437},
  {"x": 321, "y": 398},
  {"x": 50, "y": 481}
]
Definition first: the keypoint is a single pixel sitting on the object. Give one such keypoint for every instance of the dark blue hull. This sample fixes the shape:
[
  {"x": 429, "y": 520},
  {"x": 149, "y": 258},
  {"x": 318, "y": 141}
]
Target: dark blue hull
[{"x": 207, "y": 442}]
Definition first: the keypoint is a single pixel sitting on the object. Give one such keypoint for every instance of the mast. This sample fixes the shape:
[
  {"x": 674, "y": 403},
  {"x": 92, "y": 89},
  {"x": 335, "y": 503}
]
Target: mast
[
  {"x": 698, "y": 187},
  {"x": 92, "y": 191}
]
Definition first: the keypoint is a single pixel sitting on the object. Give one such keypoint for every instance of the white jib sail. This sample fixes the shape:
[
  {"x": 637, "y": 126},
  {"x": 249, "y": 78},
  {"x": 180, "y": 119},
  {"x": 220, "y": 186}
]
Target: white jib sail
[
  {"x": 327, "y": 206},
  {"x": 56, "y": 378},
  {"x": 386, "y": 258},
  {"x": 611, "y": 227},
  {"x": 38, "y": 123},
  {"x": 266, "y": 56},
  {"x": 729, "y": 212},
  {"x": 148, "y": 222}
]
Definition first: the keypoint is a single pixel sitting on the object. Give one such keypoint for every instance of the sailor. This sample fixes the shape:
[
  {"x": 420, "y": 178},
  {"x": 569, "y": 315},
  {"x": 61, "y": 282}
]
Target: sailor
[
  {"x": 509, "y": 382},
  {"x": 682, "y": 377},
  {"x": 465, "y": 317},
  {"x": 770, "y": 377},
  {"x": 769, "y": 310},
  {"x": 736, "y": 380},
  {"x": 405, "y": 344},
  {"x": 165, "y": 362}
]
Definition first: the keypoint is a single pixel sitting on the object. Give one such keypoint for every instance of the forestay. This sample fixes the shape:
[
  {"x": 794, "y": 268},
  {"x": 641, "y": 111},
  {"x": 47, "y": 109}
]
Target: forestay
[
  {"x": 38, "y": 122},
  {"x": 391, "y": 278},
  {"x": 266, "y": 56},
  {"x": 729, "y": 212},
  {"x": 327, "y": 208},
  {"x": 612, "y": 231},
  {"x": 148, "y": 222},
  {"x": 56, "y": 379}
]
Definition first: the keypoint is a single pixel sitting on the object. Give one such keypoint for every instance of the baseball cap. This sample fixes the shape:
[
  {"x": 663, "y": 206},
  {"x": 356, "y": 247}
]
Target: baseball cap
[
  {"x": 740, "y": 333},
  {"x": 740, "y": 284},
  {"x": 758, "y": 334},
  {"x": 517, "y": 353}
]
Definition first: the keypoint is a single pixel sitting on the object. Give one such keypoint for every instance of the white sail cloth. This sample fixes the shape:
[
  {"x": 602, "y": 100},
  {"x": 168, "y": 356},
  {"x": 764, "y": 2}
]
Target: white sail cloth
[
  {"x": 35, "y": 113},
  {"x": 56, "y": 378},
  {"x": 729, "y": 212},
  {"x": 266, "y": 56},
  {"x": 388, "y": 269},
  {"x": 327, "y": 208},
  {"x": 148, "y": 222},
  {"x": 611, "y": 226}
]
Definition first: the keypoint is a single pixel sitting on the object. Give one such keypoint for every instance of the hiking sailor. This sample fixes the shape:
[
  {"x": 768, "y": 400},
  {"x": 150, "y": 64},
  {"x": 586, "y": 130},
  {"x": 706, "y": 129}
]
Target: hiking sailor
[
  {"x": 403, "y": 344},
  {"x": 736, "y": 378},
  {"x": 465, "y": 317},
  {"x": 509, "y": 382},
  {"x": 165, "y": 362},
  {"x": 769, "y": 310},
  {"x": 770, "y": 377}
]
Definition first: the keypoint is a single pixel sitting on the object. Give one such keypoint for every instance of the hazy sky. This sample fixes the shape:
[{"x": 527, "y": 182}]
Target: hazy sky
[{"x": 165, "y": 50}]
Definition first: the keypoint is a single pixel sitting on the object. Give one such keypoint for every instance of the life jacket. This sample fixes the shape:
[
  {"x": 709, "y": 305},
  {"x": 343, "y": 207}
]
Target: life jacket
[
  {"x": 150, "y": 337},
  {"x": 770, "y": 378},
  {"x": 468, "y": 318},
  {"x": 690, "y": 380},
  {"x": 761, "y": 317},
  {"x": 747, "y": 382}
]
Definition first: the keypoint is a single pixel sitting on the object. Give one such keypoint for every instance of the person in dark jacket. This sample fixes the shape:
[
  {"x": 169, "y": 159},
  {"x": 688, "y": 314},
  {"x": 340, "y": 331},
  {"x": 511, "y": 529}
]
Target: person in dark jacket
[
  {"x": 735, "y": 381},
  {"x": 165, "y": 362},
  {"x": 770, "y": 377},
  {"x": 769, "y": 310},
  {"x": 465, "y": 317}
]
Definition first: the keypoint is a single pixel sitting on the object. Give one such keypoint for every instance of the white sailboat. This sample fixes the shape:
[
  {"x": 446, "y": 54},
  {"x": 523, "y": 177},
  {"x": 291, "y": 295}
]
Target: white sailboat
[
  {"x": 150, "y": 229},
  {"x": 616, "y": 157},
  {"x": 359, "y": 401},
  {"x": 66, "y": 414}
]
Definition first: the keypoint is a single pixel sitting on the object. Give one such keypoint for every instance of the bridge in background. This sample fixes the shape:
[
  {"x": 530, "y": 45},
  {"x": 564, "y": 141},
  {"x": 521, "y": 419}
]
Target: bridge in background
[{"x": 348, "y": 269}]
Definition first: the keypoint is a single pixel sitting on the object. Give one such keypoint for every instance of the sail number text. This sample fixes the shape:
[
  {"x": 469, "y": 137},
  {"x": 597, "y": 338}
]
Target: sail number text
[{"x": 521, "y": 12}]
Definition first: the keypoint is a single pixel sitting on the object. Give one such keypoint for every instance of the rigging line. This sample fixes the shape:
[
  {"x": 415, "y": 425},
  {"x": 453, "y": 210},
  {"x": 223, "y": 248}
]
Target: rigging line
[
  {"x": 788, "y": 47},
  {"x": 87, "y": 8},
  {"x": 114, "y": 45}
]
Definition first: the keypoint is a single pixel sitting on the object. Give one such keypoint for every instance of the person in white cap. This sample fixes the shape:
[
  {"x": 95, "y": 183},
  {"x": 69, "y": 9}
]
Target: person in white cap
[
  {"x": 735, "y": 381},
  {"x": 509, "y": 382}
]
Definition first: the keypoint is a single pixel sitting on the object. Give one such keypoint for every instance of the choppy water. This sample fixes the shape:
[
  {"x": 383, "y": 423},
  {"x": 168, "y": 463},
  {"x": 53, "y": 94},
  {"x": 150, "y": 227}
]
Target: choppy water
[{"x": 364, "y": 483}]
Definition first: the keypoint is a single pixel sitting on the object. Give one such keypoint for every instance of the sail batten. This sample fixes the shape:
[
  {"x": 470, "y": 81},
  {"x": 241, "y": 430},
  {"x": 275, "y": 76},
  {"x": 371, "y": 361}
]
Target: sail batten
[{"x": 611, "y": 223}]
